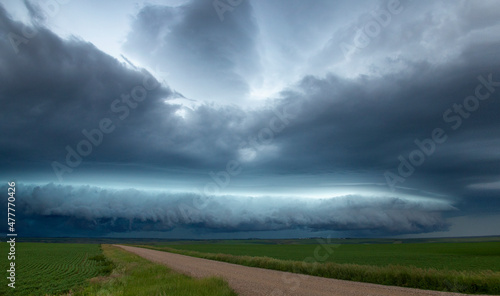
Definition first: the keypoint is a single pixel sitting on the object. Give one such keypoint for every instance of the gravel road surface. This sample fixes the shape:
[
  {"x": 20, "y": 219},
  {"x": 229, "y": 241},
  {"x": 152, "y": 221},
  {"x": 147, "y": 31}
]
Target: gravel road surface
[{"x": 254, "y": 281}]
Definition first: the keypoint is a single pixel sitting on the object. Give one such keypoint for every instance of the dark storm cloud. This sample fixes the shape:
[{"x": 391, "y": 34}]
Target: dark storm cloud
[
  {"x": 198, "y": 48},
  {"x": 53, "y": 89},
  {"x": 84, "y": 208},
  {"x": 365, "y": 124}
]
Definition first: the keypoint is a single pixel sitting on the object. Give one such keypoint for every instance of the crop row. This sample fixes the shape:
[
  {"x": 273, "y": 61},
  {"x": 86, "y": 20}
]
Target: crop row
[{"x": 53, "y": 268}]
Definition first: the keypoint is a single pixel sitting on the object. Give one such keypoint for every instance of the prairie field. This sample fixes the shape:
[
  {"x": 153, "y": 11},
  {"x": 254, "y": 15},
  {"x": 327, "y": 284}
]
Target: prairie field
[
  {"x": 457, "y": 265},
  {"x": 53, "y": 268},
  {"x": 444, "y": 256},
  {"x": 465, "y": 265},
  {"x": 93, "y": 269}
]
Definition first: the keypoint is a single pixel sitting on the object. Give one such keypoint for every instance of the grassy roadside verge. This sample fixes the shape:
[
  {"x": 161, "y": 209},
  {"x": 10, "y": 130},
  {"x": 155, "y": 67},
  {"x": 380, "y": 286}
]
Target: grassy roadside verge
[
  {"x": 134, "y": 275},
  {"x": 471, "y": 282}
]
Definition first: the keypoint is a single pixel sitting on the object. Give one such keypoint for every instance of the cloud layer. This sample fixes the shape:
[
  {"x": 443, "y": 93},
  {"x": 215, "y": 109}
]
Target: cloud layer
[
  {"x": 87, "y": 208},
  {"x": 335, "y": 119}
]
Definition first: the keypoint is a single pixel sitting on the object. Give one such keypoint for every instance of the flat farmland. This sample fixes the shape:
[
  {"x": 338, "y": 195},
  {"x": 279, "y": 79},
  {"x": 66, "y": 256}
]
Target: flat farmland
[
  {"x": 453, "y": 256},
  {"x": 466, "y": 266},
  {"x": 93, "y": 269},
  {"x": 46, "y": 269}
]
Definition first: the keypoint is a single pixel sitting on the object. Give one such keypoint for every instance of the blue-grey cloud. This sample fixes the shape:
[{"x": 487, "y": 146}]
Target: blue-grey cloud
[
  {"x": 83, "y": 208},
  {"x": 56, "y": 92}
]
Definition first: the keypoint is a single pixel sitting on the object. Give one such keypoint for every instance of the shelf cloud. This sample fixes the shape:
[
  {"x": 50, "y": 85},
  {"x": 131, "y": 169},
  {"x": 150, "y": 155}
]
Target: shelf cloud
[{"x": 262, "y": 120}]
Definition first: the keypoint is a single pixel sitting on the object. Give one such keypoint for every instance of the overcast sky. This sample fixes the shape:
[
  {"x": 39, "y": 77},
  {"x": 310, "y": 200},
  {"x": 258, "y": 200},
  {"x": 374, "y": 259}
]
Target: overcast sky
[{"x": 216, "y": 119}]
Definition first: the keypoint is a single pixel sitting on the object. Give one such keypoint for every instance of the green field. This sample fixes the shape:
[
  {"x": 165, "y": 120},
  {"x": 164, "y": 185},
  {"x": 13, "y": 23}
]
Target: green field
[
  {"x": 458, "y": 265},
  {"x": 462, "y": 265},
  {"x": 52, "y": 268},
  {"x": 88, "y": 269},
  {"x": 453, "y": 256}
]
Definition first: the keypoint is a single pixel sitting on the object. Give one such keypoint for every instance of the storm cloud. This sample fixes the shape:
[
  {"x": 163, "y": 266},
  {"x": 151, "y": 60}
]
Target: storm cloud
[
  {"x": 395, "y": 137},
  {"x": 218, "y": 57},
  {"x": 104, "y": 210}
]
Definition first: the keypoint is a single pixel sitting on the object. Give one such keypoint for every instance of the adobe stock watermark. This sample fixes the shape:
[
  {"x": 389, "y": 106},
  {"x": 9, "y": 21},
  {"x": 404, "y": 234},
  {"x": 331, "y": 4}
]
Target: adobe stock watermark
[
  {"x": 48, "y": 9},
  {"x": 221, "y": 179},
  {"x": 454, "y": 117},
  {"x": 223, "y": 6},
  {"x": 381, "y": 18},
  {"x": 93, "y": 138}
]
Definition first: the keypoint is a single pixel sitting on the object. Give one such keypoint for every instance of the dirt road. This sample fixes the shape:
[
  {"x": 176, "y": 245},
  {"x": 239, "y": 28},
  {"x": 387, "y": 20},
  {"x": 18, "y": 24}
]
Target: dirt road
[{"x": 253, "y": 281}]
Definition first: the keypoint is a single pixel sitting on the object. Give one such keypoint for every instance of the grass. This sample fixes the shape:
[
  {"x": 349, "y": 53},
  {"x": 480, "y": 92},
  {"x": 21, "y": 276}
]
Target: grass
[
  {"x": 136, "y": 276},
  {"x": 43, "y": 269},
  {"x": 475, "y": 256},
  {"x": 89, "y": 269},
  {"x": 458, "y": 267}
]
